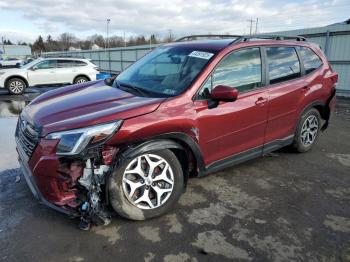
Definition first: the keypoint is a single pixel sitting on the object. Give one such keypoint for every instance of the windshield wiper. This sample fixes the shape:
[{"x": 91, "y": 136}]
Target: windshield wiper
[{"x": 132, "y": 87}]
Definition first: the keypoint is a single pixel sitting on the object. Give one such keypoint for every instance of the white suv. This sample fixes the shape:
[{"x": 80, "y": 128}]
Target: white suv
[
  {"x": 11, "y": 62},
  {"x": 48, "y": 71}
]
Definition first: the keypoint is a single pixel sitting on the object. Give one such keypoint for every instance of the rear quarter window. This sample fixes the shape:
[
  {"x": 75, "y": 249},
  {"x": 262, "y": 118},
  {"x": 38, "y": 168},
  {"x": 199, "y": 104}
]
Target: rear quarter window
[
  {"x": 310, "y": 60},
  {"x": 80, "y": 63}
]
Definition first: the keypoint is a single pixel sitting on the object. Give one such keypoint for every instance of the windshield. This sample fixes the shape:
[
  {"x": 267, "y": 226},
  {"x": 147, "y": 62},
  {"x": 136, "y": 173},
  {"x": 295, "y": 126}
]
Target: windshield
[
  {"x": 166, "y": 71},
  {"x": 31, "y": 64}
]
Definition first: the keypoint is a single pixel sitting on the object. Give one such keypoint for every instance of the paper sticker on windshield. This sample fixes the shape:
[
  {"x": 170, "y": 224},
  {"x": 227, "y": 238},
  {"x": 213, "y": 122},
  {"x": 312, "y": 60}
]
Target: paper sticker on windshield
[
  {"x": 201, "y": 54},
  {"x": 169, "y": 92}
]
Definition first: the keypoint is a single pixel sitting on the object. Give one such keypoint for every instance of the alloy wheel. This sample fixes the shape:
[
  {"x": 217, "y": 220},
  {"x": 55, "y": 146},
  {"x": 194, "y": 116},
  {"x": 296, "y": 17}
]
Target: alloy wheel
[
  {"x": 148, "y": 181},
  {"x": 309, "y": 130},
  {"x": 16, "y": 87},
  {"x": 81, "y": 80}
]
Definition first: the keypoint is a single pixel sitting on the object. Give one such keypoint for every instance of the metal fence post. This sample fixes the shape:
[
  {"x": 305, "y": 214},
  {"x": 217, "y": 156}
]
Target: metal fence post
[
  {"x": 121, "y": 60},
  {"x": 326, "y": 45},
  {"x": 99, "y": 59},
  {"x": 109, "y": 60}
]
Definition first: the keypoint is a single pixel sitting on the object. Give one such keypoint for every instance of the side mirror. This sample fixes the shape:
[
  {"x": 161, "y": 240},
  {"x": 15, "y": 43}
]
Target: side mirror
[
  {"x": 33, "y": 68},
  {"x": 222, "y": 93},
  {"x": 109, "y": 81}
]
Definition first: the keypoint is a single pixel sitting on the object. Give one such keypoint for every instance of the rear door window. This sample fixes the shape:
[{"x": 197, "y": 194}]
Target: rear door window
[
  {"x": 65, "y": 63},
  {"x": 283, "y": 64},
  {"x": 310, "y": 60}
]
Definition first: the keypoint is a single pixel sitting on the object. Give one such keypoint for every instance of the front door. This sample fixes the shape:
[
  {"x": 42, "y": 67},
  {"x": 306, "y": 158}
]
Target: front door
[
  {"x": 234, "y": 127},
  {"x": 43, "y": 73}
]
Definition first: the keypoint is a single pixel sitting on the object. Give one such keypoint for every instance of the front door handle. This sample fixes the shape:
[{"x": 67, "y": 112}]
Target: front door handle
[{"x": 261, "y": 101}]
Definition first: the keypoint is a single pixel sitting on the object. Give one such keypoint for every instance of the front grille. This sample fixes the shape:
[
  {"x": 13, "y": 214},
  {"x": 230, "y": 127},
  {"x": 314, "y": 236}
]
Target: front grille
[{"x": 27, "y": 135}]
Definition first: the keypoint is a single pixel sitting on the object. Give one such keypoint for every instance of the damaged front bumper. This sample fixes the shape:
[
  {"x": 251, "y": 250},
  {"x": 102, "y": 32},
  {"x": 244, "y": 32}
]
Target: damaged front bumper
[{"x": 26, "y": 171}]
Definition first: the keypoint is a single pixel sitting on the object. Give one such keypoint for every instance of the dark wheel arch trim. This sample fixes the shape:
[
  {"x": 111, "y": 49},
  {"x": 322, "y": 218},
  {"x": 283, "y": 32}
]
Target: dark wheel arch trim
[
  {"x": 173, "y": 140},
  {"x": 322, "y": 107},
  {"x": 85, "y": 76},
  {"x": 326, "y": 114},
  {"x": 319, "y": 105},
  {"x": 16, "y": 76}
]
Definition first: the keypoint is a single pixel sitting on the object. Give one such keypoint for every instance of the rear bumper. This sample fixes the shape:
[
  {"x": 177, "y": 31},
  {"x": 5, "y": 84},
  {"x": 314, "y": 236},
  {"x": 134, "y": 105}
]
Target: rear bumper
[{"x": 27, "y": 173}]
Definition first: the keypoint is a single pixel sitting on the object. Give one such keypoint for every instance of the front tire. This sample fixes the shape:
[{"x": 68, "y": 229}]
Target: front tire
[
  {"x": 16, "y": 86},
  {"x": 146, "y": 186},
  {"x": 307, "y": 131}
]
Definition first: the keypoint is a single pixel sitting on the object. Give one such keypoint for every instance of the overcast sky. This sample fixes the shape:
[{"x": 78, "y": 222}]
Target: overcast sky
[{"x": 24, "y": 20}]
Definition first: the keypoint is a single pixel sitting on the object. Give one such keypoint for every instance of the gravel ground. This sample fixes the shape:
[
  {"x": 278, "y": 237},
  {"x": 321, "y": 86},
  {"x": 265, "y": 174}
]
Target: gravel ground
[{"x": 281, "y": 207}]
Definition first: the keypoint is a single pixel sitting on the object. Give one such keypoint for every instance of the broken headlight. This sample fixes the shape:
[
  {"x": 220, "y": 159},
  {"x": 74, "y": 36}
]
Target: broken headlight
[{"x": 74, "y": 141}]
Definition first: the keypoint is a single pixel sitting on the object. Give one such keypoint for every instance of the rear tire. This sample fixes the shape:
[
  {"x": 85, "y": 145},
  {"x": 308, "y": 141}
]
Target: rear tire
[
  {"x": 16, "y": 86},
  {"x": 307, "y": 131},
  {"x": 80, "y": 80},
  {"x": 146, "y": 186}
]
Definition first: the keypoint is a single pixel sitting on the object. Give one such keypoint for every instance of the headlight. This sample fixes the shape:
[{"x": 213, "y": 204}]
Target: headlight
[{"x": 74, "y": 141}]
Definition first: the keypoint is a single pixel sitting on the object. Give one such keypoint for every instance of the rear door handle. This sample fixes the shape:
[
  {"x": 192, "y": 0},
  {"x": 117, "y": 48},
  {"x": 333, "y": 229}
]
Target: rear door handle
[
  {"x": 305, "y": 88},
  {"x": 261, "y": 101}
]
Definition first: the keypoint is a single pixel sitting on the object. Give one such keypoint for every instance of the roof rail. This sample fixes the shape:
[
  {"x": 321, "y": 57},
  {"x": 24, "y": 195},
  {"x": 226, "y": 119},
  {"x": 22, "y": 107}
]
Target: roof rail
[
  {"x": 62, "y": 56},
  {"x": 195, "y": 37},
  {"x": 246, "y": 38},
  {"x": 241, "y": 38}
]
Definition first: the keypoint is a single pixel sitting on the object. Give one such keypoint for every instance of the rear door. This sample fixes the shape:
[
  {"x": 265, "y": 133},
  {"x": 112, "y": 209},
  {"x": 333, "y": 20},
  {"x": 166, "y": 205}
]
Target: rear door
[
  {"x": 42, "y": 73},
  {"x": 285, "y": 91},
  {"x": 66, "y": 70},
  {"x": 234, "y": 127}
]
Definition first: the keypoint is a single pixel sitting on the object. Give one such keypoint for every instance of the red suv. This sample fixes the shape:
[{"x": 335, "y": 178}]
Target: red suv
[{"x": 187, "y": 108}]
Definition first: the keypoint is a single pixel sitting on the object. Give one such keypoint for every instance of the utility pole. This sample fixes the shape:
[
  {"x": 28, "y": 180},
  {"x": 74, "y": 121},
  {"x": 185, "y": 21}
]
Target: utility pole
[
  {"x": 107, "y": 40},
  {"x": 251, "y": 26},
  {"x": 3, "y": 43},
  {"x": 124, "y": 39},
  {"x": 170, "y": 35},
  {"x": 251, "y": 21}
]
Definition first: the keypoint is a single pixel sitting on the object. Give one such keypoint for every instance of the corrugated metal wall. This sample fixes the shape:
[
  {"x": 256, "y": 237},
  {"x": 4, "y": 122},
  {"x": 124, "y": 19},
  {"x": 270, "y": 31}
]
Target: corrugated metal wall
[
  {"x": 111, "y": 60},
  {"x": 334, "y": 40}
]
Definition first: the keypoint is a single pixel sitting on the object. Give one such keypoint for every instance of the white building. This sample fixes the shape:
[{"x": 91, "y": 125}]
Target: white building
[
  {"x": 15, "y": 51},
  {"x": 95, "y": 47}
]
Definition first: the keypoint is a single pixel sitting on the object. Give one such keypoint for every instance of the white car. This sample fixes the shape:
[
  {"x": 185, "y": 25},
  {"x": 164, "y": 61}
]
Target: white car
[
  {"x": 11, "y": 62},
  {"x": 48, "y": 71}
]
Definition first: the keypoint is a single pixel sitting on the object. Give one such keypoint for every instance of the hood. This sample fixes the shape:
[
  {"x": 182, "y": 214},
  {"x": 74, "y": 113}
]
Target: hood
[
  {"x": 12, "y": 70},
  {"x": 84, "y": 105}
]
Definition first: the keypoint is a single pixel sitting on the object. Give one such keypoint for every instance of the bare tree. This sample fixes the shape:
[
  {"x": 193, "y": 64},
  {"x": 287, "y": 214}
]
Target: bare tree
[{"x": 66, "y": 40}]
